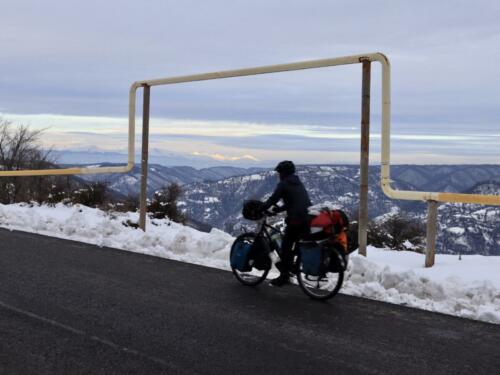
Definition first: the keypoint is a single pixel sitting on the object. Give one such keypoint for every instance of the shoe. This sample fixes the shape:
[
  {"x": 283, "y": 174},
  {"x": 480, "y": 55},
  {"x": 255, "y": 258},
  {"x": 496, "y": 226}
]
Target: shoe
[{"x": 281, "y": 280}]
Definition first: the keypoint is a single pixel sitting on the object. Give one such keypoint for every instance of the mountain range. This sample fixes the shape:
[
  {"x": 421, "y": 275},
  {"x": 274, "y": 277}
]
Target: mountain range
[{"x": 215, "y": 195}]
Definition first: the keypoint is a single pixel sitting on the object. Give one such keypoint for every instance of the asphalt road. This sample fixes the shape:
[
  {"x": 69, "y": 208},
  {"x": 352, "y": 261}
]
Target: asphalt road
[{"x": 72, "y": 308}]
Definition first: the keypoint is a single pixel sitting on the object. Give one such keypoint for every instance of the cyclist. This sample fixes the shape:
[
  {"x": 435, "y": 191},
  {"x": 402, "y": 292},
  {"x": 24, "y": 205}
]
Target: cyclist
[{"x": 296, "y": 201}]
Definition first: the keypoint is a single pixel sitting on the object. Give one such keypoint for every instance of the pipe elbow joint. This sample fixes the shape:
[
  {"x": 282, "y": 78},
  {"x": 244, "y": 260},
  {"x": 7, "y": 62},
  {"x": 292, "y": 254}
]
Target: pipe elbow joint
[
  {"x": 134, "y": 86},
  {"x": 130, "y": 166}
]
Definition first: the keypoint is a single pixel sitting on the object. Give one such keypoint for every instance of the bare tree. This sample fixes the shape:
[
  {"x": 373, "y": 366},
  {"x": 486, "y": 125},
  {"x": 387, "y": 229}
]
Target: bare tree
[{"x": 20, "y": 149}]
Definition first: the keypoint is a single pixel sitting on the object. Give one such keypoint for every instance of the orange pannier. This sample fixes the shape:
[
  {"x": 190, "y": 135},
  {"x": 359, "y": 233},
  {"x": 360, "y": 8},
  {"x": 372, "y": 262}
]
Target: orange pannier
[{"x": 334, "y": 224}]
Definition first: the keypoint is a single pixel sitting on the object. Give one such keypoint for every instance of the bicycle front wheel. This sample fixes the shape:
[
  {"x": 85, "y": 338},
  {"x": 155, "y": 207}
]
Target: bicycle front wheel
[{"x": 258, "y": 268}]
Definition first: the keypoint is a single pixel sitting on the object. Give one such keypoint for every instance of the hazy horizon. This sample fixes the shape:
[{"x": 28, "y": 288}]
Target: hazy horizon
[{"x": 68, "y": 67}]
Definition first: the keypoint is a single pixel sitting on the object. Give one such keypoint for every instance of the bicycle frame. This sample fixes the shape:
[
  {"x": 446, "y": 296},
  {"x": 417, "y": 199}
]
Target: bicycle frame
[{"x": 267, "y": 231}]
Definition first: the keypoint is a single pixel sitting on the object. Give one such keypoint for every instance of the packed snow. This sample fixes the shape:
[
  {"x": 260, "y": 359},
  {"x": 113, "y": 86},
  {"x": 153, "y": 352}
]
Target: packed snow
[
  {"x": 208, "y": 200},
  {"x": 164, "y": 238},
  {"x": 253, "y": 177},
  {"x": 456, "y": 230},
  {"x": 467, "y": 287}
]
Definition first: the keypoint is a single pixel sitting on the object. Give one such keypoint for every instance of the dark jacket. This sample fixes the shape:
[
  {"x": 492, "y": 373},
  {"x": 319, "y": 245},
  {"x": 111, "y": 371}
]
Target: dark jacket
[{"x": 295, "y": 198}]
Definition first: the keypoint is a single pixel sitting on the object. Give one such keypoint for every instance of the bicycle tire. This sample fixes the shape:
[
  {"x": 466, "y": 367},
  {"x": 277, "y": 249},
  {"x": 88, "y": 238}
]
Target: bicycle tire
[
  {"x": 317, "y": 293},
  {"x": 244, "y": 277}
]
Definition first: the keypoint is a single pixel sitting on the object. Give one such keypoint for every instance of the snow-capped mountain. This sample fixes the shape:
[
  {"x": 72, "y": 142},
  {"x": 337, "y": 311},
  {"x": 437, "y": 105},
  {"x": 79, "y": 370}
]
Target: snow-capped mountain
[
  {"x": 464, "y": 227},
  {"x": 219, "y": 202},
  {"x": 159, "y": 176},
  {"x": 214, "y": 196}
]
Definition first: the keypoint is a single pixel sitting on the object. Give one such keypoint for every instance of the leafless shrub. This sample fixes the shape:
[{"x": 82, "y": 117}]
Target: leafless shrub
[
  {"x": 92, "y": 195},
  {"x": 164, "y": 204},
  {"x": 397, "y": 232}
]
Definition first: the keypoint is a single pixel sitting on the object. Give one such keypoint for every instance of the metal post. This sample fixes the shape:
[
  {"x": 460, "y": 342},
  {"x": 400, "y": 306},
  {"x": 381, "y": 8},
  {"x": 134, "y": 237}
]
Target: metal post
[
  {"x": 431, "y": 233},
  {"x": 144, "y": 158},
  {"x": 364, "y": 161}
]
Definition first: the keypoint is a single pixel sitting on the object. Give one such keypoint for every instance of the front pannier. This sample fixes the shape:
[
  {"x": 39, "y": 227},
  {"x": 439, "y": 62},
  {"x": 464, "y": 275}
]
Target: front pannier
[
  {"x": 240, "y": 256},
  {"x": 259, "y": 254}
]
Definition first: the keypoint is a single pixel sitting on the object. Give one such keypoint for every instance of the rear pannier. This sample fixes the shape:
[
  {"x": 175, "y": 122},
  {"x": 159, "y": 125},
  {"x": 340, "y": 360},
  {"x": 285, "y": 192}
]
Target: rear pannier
[
  {"x": 319, "y": 258},
  {"x": 311, "y": 256}
]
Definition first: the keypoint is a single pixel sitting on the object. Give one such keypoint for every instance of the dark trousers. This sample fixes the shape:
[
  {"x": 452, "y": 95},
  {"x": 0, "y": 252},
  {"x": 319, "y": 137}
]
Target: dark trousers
[{"x": 294, "y": 231}]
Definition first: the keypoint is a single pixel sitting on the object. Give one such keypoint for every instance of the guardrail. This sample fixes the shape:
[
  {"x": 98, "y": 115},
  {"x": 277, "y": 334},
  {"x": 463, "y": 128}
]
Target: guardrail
[
  {"x": 365, "y": 59},
  {"x": 85, "y": 170},
  {"x": 431, "y": 197}
]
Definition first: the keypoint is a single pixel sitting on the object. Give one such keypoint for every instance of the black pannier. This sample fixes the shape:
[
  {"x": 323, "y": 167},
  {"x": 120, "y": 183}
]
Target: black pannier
[{"x": 259, "y": 254}]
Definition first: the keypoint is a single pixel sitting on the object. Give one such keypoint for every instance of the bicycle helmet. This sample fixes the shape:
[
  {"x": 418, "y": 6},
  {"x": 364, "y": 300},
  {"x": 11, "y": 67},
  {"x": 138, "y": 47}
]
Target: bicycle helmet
[{"x": 285, "y": 168}]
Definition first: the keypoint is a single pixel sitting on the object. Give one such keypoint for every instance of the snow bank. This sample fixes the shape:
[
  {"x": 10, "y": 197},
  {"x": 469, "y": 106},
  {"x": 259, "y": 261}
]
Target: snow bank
[
  {"x": 468, "y": 288},
  {"x": 164, "y": 238}
]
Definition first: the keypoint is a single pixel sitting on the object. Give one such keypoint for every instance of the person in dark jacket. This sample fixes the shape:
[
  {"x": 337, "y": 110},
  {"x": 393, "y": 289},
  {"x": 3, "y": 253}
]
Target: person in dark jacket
[{"x": 296, "y": 202}]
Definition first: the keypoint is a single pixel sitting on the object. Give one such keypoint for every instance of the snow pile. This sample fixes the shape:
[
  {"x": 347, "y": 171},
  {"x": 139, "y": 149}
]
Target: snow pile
[
  {"x": 164, "y": 238},
  {"x": 468, "y": 288}
]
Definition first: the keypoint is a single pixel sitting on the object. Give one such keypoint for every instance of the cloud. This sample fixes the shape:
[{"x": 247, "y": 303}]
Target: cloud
[
  {"x": 259, "y": 142},
  {"x": 220, "y": 157},
  {"x": 52, "y": 62}
]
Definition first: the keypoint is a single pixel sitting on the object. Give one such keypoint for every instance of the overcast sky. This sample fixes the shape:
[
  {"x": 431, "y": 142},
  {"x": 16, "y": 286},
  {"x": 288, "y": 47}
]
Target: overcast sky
[{"x": 68, "y": 65}]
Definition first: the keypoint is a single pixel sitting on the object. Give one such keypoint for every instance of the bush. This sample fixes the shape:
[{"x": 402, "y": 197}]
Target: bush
[
  {"x": 129, "y": 204},
  {"x": 164, "y": 204},
  {"x": 58, "y": 193},
  {"x": 398, "y": 232},
  {"x": 93, "y": 195}
]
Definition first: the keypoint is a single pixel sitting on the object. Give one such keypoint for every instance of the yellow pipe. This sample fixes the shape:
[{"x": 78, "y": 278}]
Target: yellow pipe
[
  {"x": 386, "y": 126},
  {"x": 87, "y": 170},
  {"x": 386, "y": 153}
]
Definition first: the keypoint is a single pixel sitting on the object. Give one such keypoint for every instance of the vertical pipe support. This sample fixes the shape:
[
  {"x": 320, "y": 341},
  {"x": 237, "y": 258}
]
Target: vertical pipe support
[
  {"x": 430, "y": 251},
  {"x": 364, "y": 158},
  {"x": 144, "y": 158}
]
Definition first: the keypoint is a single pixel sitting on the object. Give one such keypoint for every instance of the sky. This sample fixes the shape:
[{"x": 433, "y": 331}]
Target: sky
[{"x": 67, "y": 67}]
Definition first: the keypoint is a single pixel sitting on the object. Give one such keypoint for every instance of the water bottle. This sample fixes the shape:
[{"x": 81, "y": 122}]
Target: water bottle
[
  {"x": 276, "y": 246},
  {"x": 276, "y": 241}
]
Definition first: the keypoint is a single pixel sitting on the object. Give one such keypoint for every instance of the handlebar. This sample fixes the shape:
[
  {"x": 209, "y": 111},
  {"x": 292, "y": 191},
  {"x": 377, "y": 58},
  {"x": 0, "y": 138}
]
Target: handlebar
[{"x": 271, "y": 213}]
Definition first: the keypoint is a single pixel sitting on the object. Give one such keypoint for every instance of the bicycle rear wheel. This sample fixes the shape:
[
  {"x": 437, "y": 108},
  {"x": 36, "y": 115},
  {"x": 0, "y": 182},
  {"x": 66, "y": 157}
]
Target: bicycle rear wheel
[
  {"x": 328, "y": 283},
  {"x": 255, "y": 275}
]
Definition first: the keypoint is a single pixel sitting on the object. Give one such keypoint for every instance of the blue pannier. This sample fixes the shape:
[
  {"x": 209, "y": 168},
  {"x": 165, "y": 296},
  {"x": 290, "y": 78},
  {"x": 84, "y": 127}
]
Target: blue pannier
[
  {"x": 239, "y": 256},
  {"x": 311, "y": 254}
]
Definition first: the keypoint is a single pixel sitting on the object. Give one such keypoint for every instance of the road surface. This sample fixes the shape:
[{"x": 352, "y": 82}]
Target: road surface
[{"x": 72, "y": 308}]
